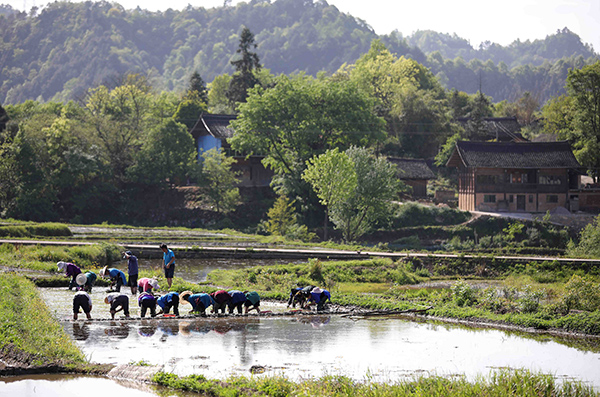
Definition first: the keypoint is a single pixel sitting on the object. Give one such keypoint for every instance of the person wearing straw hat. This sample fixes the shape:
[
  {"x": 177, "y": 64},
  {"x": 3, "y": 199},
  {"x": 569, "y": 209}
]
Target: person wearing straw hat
[
  {"x": 82, "y": 300},
  {"x": 117, "y": 302},
  {"x": 88, "y": 282},
  {"x": 252, "y": 302},
  {"x": 168, "y": 301},
  {"x": 318, "y": 297},
  {"x": 70, "y": 270},
  {"x": 200, "y": 302},
  {"x": 147, "y": 301},
  {"x": 132, "y": 271},
  {"x": 117, "y": 277},
  {"x": 169, "y": 263},
  {"x": 146, "y": 284}
]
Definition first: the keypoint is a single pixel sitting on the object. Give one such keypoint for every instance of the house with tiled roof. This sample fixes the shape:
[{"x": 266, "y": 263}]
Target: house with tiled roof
[
  {"x": 516, "y": 176},
  {"x": 212, "y": 131},
  {"x": 415, "y": 173}
]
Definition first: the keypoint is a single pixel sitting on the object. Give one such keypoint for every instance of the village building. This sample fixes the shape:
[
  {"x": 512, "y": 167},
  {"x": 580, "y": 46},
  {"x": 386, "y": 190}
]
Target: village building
[
  {"x": 512, "y": 177},
  {"x": 212, "y": 131},
  {"x": 414, "y": 173}
]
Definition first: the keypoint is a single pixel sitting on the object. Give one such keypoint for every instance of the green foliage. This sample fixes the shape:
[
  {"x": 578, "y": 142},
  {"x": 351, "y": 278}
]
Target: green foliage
[
  {"x": 27, "y": 330},
  {"x": 220, "y": 180},
  {"x": 589, "y": 242},
  {"x": 463, "y": 294},
  {"x": 34, "y": 230},
  {"x": 282, "y": 221},
  {"x": 414, "y": 214},
  {"x": 581, "y": 294},
  {"x": 243, "y": 79},
  {"x": 503, "y": 382}
]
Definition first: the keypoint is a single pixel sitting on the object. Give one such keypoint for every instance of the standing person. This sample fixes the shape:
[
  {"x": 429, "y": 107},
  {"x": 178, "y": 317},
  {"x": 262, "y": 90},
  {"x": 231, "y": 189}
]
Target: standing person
[
  {"x": 169, "y": 263},
  {"x": 168, "y": 301},
  {"x": 116, "y": 276},
  {"x": 132, "y": 271},
  {"x": 238, "y": 298},
  {"x": 117, "y": 302},
  {"x": 70, "y": 270},
  {"x": 89, "y": 282},
  {"x": 221, "y": 298},
  {"x": 82, "y": 300},
  {"x": 252, "y": 302},
  {"x": 200, "y": 302},
  {"x": 147, "y": 301},
  {"x": 146, "y": 284}
]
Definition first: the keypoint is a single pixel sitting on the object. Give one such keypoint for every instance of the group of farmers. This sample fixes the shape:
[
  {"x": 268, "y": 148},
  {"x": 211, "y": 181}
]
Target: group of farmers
[{"x": 147, "y": 299}]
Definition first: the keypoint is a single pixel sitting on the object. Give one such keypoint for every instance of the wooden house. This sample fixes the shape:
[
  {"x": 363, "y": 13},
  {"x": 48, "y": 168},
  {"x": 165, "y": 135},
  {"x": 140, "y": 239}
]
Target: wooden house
[
  {"x": 415, "y": 173},
  {"x": 510, "y": 176},
  {"x": 212, "y": 131}
]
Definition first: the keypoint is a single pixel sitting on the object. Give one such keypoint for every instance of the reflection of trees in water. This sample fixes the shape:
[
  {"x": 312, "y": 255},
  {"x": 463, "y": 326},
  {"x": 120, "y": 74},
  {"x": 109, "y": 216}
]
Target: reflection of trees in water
[
  {"x": 81, "y": 331},
  {"x": 117, "y": 330}
]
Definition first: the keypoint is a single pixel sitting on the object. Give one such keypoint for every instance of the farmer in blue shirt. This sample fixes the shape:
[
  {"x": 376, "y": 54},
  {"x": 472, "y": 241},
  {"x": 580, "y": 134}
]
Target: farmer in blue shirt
[
  {"x": 238, "y": 298},
  {"x": 168, "y": 301},
  {"x": 116, "y": 277},
  {"x": 319, "y": 297},
  {"x": 169, "y": 263},
  {"x": 200, "y": 302},
  {"x": 132, "y": 270}
]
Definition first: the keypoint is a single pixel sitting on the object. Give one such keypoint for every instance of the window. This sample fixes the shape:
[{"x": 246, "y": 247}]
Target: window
[
  {"x": 489, "y": 198},
  {"x": 549, "y": 180},
  {"x": 518, "y": 178},
  {"x": 531, "y": 198},
  {"x": 511, "y": 198},
  {"x": 552, "y": 198}
]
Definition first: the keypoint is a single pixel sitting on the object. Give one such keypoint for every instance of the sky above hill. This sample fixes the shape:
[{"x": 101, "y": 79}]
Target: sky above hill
[{"x": 500, "y": 22}]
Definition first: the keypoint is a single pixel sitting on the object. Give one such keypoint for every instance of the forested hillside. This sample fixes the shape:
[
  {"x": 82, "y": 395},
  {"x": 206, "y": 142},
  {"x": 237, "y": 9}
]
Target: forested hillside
[{"x": 58, "y": 53}]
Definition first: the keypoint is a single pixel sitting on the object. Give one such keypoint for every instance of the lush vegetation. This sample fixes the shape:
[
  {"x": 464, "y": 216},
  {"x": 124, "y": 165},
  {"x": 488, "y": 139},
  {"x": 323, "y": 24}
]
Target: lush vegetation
[
  {"x": 28, "y": 333},
  {"x": 35, "y": 230},
  {"x": 59, "y": 52},
  {"x": 499, "y": 383}
]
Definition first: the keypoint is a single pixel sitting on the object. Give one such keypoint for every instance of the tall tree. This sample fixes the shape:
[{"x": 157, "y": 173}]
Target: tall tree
[
  {"x": 197, "y": 88},
  {"x": 583, "y": 86},
  {"x": 244, "y": 78}
]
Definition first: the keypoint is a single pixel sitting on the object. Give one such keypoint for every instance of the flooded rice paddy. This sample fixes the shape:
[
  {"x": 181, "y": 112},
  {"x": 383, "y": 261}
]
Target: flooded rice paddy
[{"x": 311, "y": 346}]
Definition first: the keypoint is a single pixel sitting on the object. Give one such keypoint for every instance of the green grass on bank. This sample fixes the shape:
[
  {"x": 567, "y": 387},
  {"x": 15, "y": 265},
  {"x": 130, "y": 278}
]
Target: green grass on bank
[
  {"x": 44, "y": 258},
  {"x": 500, "y": 383},
  {"x": 28, "y": 332},
  {"x": 35, "y": 230}
]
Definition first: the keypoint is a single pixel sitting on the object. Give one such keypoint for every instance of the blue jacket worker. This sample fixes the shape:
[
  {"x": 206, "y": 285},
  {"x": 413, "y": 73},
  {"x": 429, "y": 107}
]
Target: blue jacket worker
[
  {"x": 200, "y": 302},
  {"x": 252, "y": 302},
  {"x": 132, "y": 271},
  {"x": 238, "y": 298},
  {"x": 147, "y": 301},
  {"x": 168, "y": 301},
  {"x": 117, "y": 302},
  {"x": 82, "y": 300},
  {"x": 117, "y": 277},
  {"x": 319, "y": 297},
  {"x": 169, "y": 263}
]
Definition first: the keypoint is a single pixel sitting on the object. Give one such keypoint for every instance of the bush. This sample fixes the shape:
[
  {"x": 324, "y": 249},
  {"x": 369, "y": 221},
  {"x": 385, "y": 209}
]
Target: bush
[
  {"x": 413, "y": 214},
  {"x": 463, "y": 294},
  {"x": 582, "y": 294}
]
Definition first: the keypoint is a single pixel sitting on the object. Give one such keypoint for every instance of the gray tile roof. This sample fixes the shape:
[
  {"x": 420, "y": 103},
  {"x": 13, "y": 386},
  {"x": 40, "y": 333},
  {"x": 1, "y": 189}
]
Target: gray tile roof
[
  {"x": 513, "y": 155},
  {"x": 216, "y": 125},
  {"x": 412, "y": 168}
]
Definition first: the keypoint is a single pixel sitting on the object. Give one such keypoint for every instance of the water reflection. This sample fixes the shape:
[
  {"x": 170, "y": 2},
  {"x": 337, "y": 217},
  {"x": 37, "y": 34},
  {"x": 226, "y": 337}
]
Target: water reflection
[{"x": 300, "y": 346}]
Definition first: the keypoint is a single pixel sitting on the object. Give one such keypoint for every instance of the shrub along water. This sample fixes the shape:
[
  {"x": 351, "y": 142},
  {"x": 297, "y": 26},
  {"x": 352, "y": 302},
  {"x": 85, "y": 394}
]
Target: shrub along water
[
  {"x": 29, "y": 336},
  {"x": 35, "y": 230},
  {"x": 505, "y": 382}
]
